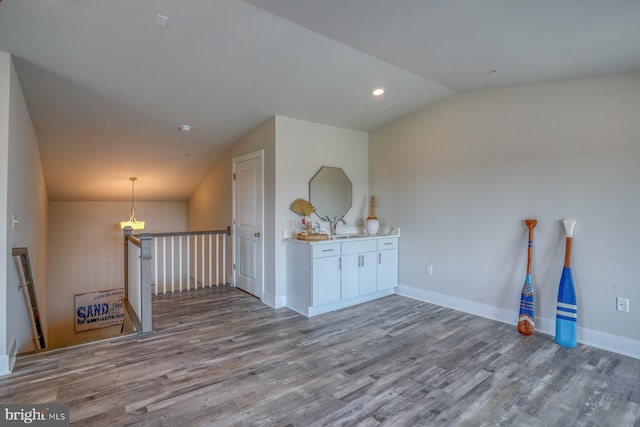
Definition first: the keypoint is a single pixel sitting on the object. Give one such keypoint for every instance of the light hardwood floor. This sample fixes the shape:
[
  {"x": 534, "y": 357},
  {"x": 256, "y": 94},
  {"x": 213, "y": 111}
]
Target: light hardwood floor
[{"x": 218, "y": 357}]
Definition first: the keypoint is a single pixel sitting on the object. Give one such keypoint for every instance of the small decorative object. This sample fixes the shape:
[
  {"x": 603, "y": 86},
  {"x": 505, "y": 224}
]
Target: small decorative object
[
  {"x": 99, "y": 309},
  {"x": 372, "y": 224},
  {"x": 309, "y": 231},
  {"x": 302, "y": 207}
]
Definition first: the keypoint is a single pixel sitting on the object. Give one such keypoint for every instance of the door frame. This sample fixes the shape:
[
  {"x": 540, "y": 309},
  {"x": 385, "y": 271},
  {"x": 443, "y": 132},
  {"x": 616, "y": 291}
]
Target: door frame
[{"x": 253, "y": 155}]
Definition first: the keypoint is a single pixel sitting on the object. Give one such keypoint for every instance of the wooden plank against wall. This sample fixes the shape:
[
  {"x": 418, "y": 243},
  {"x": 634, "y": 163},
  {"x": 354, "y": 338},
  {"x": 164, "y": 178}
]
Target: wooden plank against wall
[{"x": 21, "y": 255}]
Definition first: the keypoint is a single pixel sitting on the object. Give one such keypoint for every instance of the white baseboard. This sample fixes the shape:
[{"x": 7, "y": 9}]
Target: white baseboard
[
  {"x": 482, "y": 310},
  {"x": 4, "y": 365},
  {"x": 8, "y": 360},
  {"x": 280, "y": 302},
  {"x": 273, "y": 301},
  {"x": 268, "y": 299},
  {"x": 602, "y": 340}
]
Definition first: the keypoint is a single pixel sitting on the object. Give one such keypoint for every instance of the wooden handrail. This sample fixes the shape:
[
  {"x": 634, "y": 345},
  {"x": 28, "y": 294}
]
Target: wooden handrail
[
  {"x": 134, "y": 239},
  {"x": 183, "y": 233}
]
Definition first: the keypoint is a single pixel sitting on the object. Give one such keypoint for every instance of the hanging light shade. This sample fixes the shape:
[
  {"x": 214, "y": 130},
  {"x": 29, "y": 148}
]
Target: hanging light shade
[{"x": 132, "y": 222}]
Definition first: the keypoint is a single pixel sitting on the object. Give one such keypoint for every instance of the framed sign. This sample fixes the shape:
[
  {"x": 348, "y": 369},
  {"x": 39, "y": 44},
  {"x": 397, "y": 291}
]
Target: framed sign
[{"x": 99, "y": 309}]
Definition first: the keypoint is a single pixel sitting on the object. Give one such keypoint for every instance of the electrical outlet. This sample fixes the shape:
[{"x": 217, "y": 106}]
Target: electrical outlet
[
  {"x": 429, "y": 270},
  {"x": 622, "y": 304}
]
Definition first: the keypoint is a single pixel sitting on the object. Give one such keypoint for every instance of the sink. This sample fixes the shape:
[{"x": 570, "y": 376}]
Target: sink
[{"x": 349, "y": 236}]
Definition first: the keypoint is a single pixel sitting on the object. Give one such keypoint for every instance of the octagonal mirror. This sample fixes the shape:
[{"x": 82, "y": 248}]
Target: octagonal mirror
[{"x": 330, "y": 191}]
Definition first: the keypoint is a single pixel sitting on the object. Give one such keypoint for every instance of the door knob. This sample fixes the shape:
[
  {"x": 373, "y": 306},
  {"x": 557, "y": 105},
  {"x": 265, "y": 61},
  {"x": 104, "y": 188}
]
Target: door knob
[{"x": 257, "y": 234}]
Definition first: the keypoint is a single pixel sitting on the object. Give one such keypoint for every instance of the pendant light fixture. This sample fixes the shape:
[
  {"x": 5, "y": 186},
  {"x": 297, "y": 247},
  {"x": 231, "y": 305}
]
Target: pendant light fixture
[{"x": 132, "y": 222}]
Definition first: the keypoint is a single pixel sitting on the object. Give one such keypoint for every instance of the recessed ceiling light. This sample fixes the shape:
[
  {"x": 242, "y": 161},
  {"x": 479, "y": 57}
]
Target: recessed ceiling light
[
  {"x": 377, "y": 91},
  {"x": 185, "y": 128}
]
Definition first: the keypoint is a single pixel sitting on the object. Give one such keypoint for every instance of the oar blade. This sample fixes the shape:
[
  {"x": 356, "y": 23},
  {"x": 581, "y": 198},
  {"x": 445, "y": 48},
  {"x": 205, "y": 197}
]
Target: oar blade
[
  {"x": 567, "y": 311},
  {"x": 525, "y": 319}
]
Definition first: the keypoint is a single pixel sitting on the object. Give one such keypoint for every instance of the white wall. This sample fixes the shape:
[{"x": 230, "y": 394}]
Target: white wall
[
  {"x": 28, "y": 202},
  {"x": 301, "y": 149},
  {"x": 209, "y": 207},
  {"x": 23, "y": 194},
  {"x": 460, "y": 177},
  {"x": 5, "y": 79},
  {"x": 86, "y": 254}
]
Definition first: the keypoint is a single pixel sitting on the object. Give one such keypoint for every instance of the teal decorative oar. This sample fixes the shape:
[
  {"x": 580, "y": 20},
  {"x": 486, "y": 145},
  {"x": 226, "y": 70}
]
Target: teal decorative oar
[{"x": 567, "y": 311}]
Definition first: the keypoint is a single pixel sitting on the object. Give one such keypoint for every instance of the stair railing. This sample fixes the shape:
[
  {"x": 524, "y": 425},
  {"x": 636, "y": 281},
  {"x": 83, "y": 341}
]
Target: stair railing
[{"x": 162, "y": 263}]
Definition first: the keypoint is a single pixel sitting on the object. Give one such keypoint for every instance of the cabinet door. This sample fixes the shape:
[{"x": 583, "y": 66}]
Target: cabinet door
[
  {"x": 350, "y": 275},
  {"x": 387, "y": 269},
  {"x": 368, "y": 273},
  {"x": 326, "y": 280}
]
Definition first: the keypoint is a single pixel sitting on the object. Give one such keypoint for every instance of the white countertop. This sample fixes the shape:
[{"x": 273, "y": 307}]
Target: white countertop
[{"x": 347, "y": 238}]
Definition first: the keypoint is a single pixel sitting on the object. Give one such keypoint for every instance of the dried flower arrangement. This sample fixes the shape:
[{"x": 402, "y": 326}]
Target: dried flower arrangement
[
  {"x": 302, "y": 207},
  {"x": 372, "y": 208}
]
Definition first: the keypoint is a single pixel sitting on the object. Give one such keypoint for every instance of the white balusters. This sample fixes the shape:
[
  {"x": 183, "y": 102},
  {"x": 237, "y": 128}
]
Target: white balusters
[{"x": 188, "y": 263}]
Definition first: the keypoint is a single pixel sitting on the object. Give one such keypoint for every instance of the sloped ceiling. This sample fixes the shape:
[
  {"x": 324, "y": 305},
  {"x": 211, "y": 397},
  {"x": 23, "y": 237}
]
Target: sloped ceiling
[{"x": 107, "y": 89}]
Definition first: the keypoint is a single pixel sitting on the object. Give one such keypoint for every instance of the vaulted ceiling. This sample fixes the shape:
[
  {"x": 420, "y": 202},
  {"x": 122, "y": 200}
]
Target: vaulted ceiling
[{"x": 107, "y": 88}]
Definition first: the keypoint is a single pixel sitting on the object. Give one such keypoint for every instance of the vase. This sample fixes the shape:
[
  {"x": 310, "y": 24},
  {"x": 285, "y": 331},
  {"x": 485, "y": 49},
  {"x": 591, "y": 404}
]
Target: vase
[{"x": 372, "y": 225}]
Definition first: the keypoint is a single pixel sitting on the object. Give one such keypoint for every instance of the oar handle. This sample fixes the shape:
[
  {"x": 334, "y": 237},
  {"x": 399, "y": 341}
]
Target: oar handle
[
  {"x": 531, "y": 224},
  {"x": 569, "y": 225}
]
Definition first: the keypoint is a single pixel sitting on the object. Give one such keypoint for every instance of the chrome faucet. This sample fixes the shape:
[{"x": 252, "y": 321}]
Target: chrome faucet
[{"x": 333, "y": 223}]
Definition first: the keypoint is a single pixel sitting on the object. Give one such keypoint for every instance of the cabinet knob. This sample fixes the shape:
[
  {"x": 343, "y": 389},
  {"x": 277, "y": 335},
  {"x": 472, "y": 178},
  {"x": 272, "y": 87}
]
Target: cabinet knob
[{"x": 257, "y": 234}]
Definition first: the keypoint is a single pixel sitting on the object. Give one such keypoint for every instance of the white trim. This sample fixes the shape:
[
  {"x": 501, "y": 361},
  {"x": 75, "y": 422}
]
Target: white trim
[
  {"x": 482, "y": 310},
  {"x": 273, "y": 301},
  {"x": 310, "y": 311},
  {"x": 280, "y": 302},
  {"x": 602, "y": 340},
  {"x": 4, "y": 365},
  {"x": 7, "y": 361}
]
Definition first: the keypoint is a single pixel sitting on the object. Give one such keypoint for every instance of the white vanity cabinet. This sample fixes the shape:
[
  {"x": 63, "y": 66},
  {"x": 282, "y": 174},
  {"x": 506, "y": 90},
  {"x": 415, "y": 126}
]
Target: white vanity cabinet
[
  {"x": 387, "y": 263},
  {"x": 359, "y": 269},
  {"x": 323, "y": 276},
  {"x": 326, "y": 274}
]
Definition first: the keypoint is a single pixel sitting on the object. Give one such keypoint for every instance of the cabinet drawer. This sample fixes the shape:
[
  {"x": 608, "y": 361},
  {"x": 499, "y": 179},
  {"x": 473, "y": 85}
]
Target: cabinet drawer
[
  {"x": 390, "y": 243},
  {"x": 358, "y": 247},
  {"x": 328, "y": 249}
]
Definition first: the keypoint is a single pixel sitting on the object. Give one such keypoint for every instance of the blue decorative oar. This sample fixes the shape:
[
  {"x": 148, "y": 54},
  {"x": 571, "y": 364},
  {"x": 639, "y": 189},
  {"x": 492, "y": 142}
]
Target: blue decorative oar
[
  {"x": 525, "y": 320},
  {"x": 567, "y": 311}
]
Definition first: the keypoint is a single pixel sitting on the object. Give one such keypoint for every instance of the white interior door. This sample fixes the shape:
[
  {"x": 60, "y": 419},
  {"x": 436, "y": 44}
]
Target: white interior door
[{"x": 247, "y": 223}]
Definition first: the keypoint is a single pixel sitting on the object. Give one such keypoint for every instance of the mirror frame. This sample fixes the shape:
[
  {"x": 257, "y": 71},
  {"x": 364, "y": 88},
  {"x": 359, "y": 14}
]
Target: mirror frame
[{"x": 326, "y": 192}]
